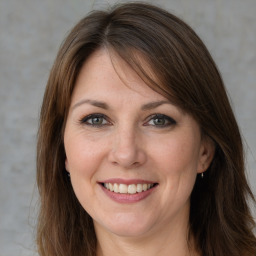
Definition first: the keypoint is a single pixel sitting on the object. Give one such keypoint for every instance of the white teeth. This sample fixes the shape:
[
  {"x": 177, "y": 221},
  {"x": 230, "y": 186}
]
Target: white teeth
[
  {"x": 111, "y": 187},
  {"x": 127, "y": 189},
  {"x": 123, "y": 189},
  {"x": 116, "y": 188},
  {"x": 139, "y": 188},
  {"x": 132, "y": 189}
]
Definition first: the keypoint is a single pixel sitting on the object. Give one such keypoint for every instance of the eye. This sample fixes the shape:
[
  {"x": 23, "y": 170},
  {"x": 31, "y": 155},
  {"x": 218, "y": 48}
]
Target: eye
[
  {"x": 160, "y": 120},
  {"x": 95, "y": 120}
]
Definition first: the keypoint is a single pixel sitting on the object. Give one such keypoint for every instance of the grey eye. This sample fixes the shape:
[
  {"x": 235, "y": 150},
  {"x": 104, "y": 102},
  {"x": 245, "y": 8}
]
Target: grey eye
[
  {"x": 160, "y": 120},
  {"x": 94, "y": 120}
]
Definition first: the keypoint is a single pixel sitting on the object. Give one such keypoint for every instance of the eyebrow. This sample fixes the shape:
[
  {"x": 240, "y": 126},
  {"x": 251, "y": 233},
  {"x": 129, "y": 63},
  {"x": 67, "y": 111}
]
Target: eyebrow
[
  {"x": 95, "y": 103},
  {"x": 103, "y": 105},
  {"x": 155, "y": 104}
]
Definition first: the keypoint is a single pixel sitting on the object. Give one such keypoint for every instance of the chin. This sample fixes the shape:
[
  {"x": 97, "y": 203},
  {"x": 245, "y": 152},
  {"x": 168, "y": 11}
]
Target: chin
[
  {"x": 126, "y": 226},
  {"x": 129, "y": 231}
]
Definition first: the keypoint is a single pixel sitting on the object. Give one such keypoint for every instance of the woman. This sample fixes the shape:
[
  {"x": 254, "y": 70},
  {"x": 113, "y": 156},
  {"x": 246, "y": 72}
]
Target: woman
[{"x": 139, "y": 152}]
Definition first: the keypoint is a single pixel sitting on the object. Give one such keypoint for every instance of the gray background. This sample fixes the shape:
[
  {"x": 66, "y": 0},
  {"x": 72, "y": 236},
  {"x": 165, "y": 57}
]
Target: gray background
[{"x": 31, "y": 32}]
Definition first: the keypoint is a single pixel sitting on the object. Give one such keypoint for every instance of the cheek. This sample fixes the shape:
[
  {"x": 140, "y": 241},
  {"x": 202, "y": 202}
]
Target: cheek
[
  {"x": 178, "y": 156},
  {"x": 83, "y": 155},
  {"x": 84, "y": 158},
  {"x": 175, "y": 160}
]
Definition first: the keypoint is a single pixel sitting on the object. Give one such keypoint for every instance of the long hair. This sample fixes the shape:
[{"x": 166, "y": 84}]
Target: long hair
[{"x": 182, "y": 70}]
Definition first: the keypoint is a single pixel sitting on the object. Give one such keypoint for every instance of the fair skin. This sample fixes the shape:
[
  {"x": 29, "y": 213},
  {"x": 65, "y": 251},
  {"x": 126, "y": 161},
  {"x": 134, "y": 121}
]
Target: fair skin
[{"x": 119, "y": 131}]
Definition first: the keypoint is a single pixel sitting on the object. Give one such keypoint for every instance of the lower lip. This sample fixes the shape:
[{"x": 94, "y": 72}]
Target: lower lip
[{"x": 127, "y": 198}]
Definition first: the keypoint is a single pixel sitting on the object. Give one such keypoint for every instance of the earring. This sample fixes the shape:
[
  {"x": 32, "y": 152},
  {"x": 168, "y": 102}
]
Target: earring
[{"x": 202, "y": 175}]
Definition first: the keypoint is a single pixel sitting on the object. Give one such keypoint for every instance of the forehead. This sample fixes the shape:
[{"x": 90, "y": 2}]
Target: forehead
[{"x": 107, "y": 74}]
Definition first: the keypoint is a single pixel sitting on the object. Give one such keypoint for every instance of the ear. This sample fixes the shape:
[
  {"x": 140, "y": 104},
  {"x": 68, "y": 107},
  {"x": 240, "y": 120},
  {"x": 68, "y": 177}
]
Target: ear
[
  {"x": 67, "y": 165},
  {"x": 207, "y": 152}
]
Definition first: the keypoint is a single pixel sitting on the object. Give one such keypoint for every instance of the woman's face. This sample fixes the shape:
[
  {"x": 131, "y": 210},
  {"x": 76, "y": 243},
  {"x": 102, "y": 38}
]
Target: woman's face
[{"x": 132, "y": 155}]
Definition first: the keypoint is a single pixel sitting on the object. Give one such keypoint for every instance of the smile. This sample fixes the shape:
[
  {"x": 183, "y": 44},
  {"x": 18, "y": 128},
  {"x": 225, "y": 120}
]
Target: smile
[{"x": 128, "y": 189}]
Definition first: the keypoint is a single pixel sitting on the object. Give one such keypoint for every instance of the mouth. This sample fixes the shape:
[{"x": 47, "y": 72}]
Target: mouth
[{"x": 128, "y": 188}]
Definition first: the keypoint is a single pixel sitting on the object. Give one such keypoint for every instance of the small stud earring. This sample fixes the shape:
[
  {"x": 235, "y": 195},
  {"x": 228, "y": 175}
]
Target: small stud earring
[{"x": 202, "y": 175}]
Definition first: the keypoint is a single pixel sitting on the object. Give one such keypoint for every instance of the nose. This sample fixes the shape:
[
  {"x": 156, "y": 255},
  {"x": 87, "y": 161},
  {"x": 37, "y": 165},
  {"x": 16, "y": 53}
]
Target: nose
[{"x": 127, "y": 149}]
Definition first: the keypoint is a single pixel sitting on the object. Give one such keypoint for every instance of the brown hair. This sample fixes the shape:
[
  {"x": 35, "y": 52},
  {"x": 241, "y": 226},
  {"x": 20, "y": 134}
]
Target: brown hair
[{"x": 183, "y": 70}]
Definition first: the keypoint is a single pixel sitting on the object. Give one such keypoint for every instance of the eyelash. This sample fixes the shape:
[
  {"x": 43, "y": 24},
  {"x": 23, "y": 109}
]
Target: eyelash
[
  {"x": 85, "y": 120},
  {"x": 168, "y": 121}
]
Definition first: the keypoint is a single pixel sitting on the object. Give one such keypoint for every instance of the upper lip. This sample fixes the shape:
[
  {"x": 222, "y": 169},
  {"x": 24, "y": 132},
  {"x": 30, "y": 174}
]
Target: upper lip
[{"x": 127, "y": 181}]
